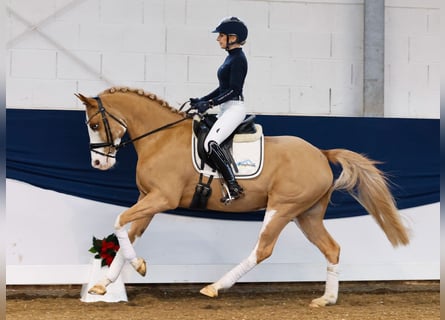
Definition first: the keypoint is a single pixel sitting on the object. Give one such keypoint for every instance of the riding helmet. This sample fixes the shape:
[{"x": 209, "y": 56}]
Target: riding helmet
[{"x": 233, "y": 26}]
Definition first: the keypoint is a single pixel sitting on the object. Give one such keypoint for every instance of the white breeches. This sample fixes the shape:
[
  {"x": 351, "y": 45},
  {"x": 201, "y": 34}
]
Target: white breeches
[{"x": 231, "y": 114}]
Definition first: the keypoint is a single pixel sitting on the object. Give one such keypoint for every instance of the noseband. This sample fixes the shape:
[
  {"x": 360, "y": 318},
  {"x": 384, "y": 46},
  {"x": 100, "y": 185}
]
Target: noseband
[{"x": 110, "y": 141}]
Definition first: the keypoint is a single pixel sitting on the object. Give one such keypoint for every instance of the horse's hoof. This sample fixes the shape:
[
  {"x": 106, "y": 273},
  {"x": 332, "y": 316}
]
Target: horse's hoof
[
  {"x": 209, "y": 291},
  {"x": 142, "y": 268},
  {"x": 323, "y": 302},
  {"x": 98, "y": 289}
]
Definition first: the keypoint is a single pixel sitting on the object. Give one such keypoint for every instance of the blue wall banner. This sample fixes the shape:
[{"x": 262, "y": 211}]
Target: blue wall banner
[{"x": 50, "y": 149}]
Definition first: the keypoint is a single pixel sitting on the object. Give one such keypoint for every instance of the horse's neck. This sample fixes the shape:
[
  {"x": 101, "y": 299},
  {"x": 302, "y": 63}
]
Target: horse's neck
[{"x": 143, "y": 116}]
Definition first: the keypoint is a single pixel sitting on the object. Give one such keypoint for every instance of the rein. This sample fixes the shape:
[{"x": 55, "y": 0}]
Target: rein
[{"x": 110, "y": 141}]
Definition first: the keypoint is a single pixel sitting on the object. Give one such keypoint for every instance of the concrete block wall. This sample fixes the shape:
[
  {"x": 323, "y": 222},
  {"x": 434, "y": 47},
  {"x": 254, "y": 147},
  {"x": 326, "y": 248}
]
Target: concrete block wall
[
  {"x": 305, "y": 57},
  {"x": 412, "y": 58}
]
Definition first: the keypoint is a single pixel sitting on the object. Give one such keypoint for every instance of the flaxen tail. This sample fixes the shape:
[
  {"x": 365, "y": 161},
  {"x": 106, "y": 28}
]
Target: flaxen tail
[{"x": 368, "y": 185}]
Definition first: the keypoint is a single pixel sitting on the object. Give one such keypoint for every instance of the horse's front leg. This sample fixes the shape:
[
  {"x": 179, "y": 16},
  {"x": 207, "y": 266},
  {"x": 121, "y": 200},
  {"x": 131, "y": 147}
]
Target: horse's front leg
[
  {"x": 136, "y": 230},
  {"x": 127, "y": 252},
  {"x": 151, "y": 204}
]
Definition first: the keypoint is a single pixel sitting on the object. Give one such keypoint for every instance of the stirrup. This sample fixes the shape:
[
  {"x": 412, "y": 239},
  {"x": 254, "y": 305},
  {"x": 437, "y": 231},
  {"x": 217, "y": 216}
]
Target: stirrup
[{"x": 230, "y": 195}]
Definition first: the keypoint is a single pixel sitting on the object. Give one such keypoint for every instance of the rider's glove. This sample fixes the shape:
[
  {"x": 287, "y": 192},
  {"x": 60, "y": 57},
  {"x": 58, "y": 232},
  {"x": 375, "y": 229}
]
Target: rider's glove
[
  {"x": 203, "y": 106},
  {"x": 193, "y": 101}
]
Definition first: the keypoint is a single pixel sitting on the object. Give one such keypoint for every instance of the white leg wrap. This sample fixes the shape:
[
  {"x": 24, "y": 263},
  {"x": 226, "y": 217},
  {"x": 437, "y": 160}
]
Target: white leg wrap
[
  {"x": 116, "y": 267},
  {"x": 331, "y": 290},
  {"x": 126, "y": 247},
  {"x": 236, "y": 273}
]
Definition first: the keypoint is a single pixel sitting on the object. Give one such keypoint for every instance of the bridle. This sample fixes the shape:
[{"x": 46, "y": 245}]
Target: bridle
[{"x": 110, "y": 141}]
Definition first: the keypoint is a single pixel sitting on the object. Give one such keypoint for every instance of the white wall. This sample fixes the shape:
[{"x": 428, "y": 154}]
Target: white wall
[
  {"x": 412, "y": 57},
  {"x": 305, "y": 57}
]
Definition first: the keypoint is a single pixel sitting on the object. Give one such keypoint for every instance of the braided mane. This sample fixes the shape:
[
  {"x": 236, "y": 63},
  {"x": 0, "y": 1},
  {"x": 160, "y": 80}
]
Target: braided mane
[{"x": 143, "y": 93}]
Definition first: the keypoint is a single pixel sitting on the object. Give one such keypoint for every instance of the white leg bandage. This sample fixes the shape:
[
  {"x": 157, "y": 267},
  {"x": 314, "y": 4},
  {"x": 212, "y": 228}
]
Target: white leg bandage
[
  {"x": 331, "y": 290},
  {"x": 116, "y": 267},
  {"x": 236, "y": 273},
  {"x": 126, "y": 247}
]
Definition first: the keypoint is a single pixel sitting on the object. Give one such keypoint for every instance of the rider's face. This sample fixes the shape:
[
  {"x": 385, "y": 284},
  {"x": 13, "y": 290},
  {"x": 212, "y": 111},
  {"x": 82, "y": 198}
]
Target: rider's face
[{"x": 222, "y": 40}]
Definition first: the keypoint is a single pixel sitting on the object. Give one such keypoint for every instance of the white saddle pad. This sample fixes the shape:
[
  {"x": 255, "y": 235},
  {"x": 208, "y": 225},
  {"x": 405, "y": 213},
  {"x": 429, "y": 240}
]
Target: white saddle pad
[{"x": 248, "y": 153}]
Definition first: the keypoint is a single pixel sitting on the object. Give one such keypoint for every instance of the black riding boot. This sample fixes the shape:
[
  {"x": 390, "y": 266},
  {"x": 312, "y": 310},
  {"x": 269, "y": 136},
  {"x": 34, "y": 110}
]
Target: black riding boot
[{"x": 218, "y": 158}]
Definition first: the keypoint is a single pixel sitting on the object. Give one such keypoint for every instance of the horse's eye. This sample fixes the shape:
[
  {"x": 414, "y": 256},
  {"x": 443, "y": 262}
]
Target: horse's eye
[{"x": 94, "y": 126}]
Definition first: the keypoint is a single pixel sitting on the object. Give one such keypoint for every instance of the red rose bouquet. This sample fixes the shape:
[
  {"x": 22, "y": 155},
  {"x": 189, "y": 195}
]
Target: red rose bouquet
[{"x": 105, "y": 249}]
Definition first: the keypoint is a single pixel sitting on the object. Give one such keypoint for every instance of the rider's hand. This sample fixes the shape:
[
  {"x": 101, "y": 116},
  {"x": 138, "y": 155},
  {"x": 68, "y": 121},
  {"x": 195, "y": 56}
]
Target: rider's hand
[
  {"x": 203, "y": 106},
  {"x": 193, "y": 101}
]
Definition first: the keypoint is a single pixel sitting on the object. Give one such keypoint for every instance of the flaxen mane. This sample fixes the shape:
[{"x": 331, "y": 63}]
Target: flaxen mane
[{"x": 143, "y": 93}]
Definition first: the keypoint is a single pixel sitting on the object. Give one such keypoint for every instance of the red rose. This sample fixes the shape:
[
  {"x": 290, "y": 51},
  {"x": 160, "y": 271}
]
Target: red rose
[
  {"x": 105, "y": 249},
  {"x": 107, "y": 245}
]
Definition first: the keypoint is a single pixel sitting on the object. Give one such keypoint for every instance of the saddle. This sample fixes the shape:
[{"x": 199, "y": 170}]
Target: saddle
[
  {"x": 243, "y": 148},
  {"x": 201, "y": 130}
]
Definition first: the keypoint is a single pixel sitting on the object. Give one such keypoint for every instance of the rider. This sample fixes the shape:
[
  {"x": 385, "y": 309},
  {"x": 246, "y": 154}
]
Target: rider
[{"x": 232, "y": 34}]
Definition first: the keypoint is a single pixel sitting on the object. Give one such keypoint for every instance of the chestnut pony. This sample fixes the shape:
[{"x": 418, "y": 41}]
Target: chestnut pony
[{"x": 295, "y": 185}]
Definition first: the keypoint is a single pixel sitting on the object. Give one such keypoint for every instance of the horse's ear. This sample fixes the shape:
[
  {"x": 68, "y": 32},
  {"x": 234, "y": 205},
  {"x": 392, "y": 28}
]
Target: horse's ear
[{"x": 84, "y": 99}]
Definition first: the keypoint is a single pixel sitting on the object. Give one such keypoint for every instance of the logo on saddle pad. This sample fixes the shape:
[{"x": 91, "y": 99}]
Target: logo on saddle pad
[{"x": 247, "y": 151}]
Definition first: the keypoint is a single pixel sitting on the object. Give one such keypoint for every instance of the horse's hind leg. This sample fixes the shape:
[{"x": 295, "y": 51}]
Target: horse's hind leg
[
  {"x": 273, "y": 224},
  {"x": 311, "y": 223}
]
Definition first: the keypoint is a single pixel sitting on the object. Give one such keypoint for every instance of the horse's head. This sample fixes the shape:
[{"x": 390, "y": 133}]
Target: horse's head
[{"x": 105, "y": 131}]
